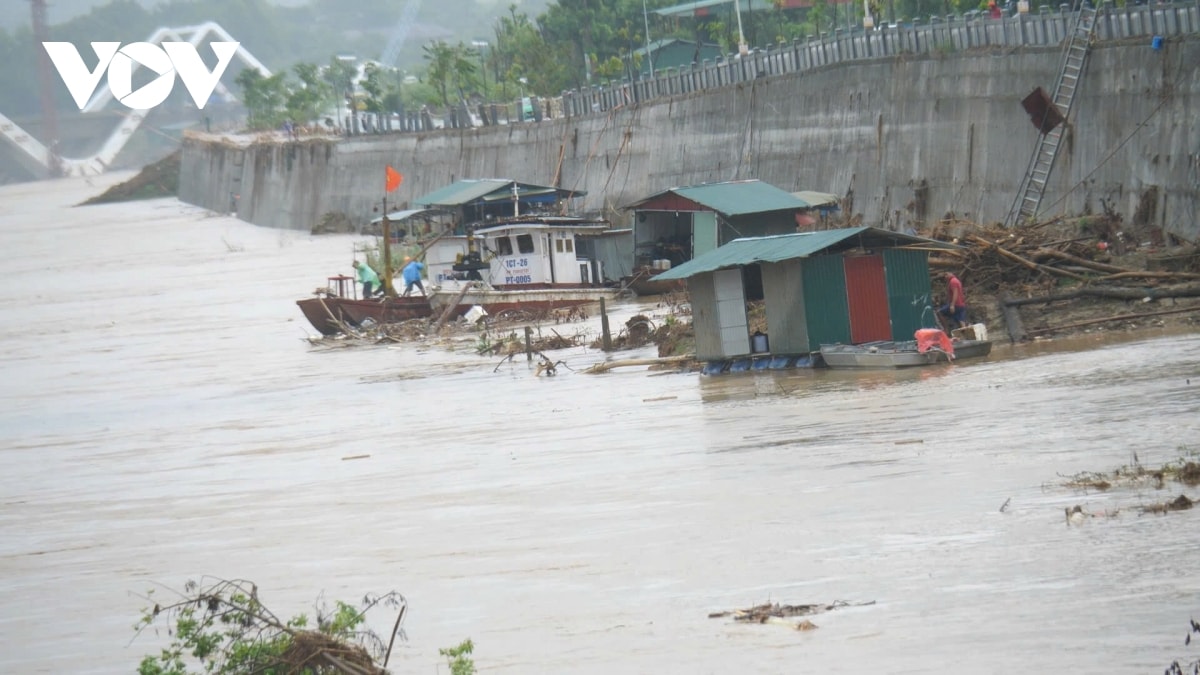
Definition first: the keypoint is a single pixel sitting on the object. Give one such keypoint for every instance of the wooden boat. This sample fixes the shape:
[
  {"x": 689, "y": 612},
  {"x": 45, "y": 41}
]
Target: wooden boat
[
  {"x": 533, "y": 263},
  {"x": 334, "y": 305},
  {"x": 899, "y": 354},
  {"x": 387, "y": 310}
]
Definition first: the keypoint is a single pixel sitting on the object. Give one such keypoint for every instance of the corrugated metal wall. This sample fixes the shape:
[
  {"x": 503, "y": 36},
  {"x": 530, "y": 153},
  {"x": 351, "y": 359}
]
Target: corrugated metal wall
[
  {"x": 783, "y": 288},
  {"x": 704, "y": 317},
  {"x": 731, "y": 312},
  {"x": 909, "y": 296},
  {"x": 757, "y": 225},
  {"x": 866, "y": 297},
  {"x": 825, "y": 309}
]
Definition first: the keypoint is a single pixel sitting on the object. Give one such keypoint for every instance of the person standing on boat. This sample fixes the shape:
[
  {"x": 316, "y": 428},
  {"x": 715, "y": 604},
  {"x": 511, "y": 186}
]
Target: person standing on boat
[
  {"x": 955, "y": 308},
  {"x": 369, "y": 280},
  {"x": 412, "y": 276}
]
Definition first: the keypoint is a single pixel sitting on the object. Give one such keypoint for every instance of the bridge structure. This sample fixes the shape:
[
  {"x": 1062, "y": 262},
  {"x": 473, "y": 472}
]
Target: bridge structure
[{"x": 42, "y": 157}]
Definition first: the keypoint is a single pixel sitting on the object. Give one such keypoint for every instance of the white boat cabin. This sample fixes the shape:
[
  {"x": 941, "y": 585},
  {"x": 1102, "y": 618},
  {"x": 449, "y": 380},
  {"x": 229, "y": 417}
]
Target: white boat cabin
[{"x": 540, "y": 252}]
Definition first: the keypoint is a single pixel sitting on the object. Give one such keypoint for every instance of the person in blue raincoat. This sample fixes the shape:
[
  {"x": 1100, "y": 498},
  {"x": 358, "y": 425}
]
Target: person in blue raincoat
[{"x": 412, "y": 276}]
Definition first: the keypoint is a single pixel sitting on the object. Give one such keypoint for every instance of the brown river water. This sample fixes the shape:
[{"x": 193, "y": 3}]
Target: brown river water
[{"x": 163, "y": 418}]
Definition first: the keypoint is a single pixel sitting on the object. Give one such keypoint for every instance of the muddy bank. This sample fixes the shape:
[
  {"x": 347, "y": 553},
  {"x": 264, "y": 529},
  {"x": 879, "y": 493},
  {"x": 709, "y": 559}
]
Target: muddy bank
[{"x": 160, "y": 179}]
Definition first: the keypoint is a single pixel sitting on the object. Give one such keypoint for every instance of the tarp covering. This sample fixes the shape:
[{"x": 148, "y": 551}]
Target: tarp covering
[
  {"x": 397, "y": 216},
  {"x": 467, "y": 191}
]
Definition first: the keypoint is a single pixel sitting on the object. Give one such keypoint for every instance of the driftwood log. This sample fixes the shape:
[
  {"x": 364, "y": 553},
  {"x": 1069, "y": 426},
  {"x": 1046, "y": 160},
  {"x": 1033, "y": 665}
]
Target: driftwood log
[
  {"x": 1107, "y": 319},
  {"x": 1114, "y": 293},
  {"x": 450, "y": 308},
  {"x": 606, "y": 366}
]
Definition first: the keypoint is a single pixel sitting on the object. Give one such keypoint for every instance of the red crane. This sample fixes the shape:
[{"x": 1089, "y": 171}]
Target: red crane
[{"x": 41, "y": 33}]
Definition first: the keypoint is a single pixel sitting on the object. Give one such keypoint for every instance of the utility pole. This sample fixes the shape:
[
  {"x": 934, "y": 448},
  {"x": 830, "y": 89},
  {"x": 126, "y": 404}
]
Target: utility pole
[
  {"x": 41, "y": 33},
  {"x": 742, "y": 48},
  {"x": 649, "y": 57}
]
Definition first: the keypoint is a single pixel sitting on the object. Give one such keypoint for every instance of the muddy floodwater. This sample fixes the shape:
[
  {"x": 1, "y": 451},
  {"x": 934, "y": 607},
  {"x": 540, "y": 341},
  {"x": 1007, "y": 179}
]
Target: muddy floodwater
[{"x": 162, "y": 418}]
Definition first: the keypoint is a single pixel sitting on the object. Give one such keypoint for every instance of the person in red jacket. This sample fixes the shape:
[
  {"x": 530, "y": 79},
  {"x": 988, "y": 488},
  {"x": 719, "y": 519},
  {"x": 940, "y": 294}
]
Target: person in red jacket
[{"x": 955, "y": 308}]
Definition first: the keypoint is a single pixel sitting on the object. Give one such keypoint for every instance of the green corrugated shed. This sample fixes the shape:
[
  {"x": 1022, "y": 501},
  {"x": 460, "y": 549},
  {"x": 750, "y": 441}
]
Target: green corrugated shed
[
  {"x": 907, "y": 275},
  {"x": 676, "y": 53},
  {"x": 826, "y": 308},
  {"x": 781, "y": 247},
  {"x": 735, "y": 198}
]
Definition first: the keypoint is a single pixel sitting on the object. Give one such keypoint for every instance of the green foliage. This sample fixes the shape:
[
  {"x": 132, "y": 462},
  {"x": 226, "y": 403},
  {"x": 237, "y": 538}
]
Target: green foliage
[
  {"x": 223, "y": 629},
  {"x": 312, "y": 97},
  {"x": 264, "y": 97},
  {"x": 452, "y": 67},
  {"x": 459, "y": 658}
]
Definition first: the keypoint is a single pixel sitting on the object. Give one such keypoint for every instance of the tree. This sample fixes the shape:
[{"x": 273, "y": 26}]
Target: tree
[
  {"x": 312, "y": 97},
  {"x": 264, "y": 97},
  {"x": 441, "y": 67}
]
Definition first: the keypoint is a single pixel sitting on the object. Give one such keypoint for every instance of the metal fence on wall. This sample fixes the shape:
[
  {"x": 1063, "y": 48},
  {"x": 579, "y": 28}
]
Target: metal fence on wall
[{"x": 1046, "y": 27}]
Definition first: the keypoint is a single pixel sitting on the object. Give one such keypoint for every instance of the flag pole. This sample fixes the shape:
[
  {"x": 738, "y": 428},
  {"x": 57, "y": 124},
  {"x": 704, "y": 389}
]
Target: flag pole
[{"x": 387, "y": 246}]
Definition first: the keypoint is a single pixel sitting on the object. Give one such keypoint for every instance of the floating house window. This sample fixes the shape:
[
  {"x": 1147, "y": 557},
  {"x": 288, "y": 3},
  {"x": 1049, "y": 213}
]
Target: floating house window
[
  {"x": 570, "y": 246},
  {"x": 503, "y": 246},
  {"x": 558, "y": 245},
  {"x": 524, "y": 243}
]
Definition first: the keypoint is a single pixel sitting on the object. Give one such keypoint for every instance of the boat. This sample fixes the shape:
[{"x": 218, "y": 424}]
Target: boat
[
  {"x": 929, "y": 347},
  {"x": 335, "y": 306},
  {"x": 533, "y": 264}
]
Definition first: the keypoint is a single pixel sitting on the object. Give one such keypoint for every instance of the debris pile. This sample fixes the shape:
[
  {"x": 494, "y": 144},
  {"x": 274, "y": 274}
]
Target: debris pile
[
  {"x": 1135, "y": 476},
  {"x": 160, "y": 179},
  {"x": 1088, "y": 263},
  {"x": 784, "y": 614}
]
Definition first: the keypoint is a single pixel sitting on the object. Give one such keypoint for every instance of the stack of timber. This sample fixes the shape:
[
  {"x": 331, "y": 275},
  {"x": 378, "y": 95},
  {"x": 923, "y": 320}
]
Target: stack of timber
[{"x": 1087, "y": 269}]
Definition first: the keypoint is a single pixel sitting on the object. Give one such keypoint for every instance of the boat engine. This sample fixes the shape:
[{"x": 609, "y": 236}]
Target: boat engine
[{"x": 469, "y": 265}]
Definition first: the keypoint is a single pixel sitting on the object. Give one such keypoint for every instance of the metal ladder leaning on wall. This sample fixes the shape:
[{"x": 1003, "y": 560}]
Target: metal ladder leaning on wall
[{"x": 1033, "y": 185}]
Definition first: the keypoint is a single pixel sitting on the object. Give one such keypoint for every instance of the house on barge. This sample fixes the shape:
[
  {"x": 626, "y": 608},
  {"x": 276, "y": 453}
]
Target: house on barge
[
  {"x": 518, "y": 235},
  {"x": 673, "y": 226},
  {"x": 848, "y": 285}
]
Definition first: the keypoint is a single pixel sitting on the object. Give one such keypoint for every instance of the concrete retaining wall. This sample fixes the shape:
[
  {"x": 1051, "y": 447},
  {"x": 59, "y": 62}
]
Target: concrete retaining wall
[{"x": 910, "y": 138}]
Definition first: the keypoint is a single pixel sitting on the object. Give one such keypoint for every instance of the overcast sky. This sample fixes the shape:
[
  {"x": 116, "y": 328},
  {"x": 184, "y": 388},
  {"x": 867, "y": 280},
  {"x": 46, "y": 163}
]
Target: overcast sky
[{"x": 62, "y": 10}]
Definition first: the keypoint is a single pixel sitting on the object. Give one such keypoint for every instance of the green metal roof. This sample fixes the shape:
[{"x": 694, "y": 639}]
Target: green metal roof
[
  {"x": 782, "y": 247},
  {"x": 690, "y": 8},
  {"x": 736, "y": 198},
  {"x": 487, "y": 189}
]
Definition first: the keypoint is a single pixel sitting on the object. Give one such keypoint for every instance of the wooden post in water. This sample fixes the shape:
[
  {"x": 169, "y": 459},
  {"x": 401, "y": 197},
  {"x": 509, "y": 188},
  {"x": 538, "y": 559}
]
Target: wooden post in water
[
  {"x": 387, "y": 252},
  {"x": 606, "y": 336},
  {"x": 528, "y": 343}
]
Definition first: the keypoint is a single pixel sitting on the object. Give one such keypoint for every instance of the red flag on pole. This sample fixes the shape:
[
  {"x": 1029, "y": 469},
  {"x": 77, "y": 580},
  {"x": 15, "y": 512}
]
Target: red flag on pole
[{"x": 394, "y": 178}]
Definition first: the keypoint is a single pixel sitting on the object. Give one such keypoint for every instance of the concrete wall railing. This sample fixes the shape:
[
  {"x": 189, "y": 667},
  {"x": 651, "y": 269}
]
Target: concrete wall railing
[{"x": 1046, "y": 27}]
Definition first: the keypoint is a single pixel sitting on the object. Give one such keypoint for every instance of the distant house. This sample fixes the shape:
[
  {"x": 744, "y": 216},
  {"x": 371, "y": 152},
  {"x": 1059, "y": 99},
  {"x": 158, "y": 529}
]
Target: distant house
[
  {"x": 849, "y": 285},
  {"x": 681, "y": 223},
  {"x": 676, "y": 53}
]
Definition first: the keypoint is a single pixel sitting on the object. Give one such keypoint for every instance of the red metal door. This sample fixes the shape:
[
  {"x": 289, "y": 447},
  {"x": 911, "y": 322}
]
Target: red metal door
[{"x": 866, "y": 296}]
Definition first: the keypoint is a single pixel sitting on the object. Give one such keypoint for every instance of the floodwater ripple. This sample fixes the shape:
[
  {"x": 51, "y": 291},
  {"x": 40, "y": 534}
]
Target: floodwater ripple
[{"x": 163, "y": 419}]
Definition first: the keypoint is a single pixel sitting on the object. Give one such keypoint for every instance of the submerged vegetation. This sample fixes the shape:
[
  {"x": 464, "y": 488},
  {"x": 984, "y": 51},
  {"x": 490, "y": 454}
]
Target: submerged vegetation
[
  {"x": 1135, "y": 475},
  {"x": 222, "y": 628},
  {"x": 1184, "y": 469}
]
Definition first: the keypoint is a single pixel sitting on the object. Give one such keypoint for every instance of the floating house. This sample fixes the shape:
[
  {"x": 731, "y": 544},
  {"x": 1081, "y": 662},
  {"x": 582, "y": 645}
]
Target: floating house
[
  {"x": 681, "y": 223},
  {"x": 574, "y": 250},
  {"x": 848, "y": 285}
]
